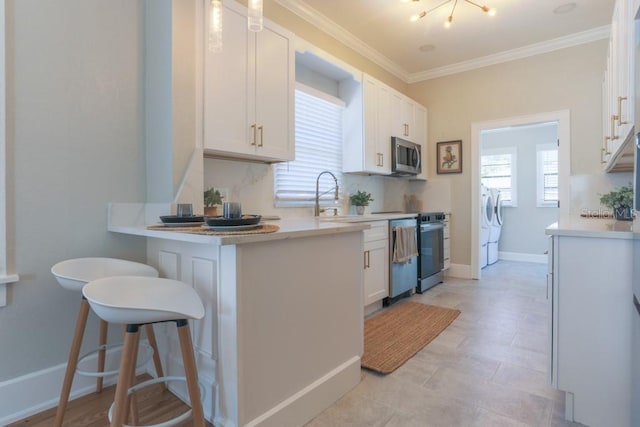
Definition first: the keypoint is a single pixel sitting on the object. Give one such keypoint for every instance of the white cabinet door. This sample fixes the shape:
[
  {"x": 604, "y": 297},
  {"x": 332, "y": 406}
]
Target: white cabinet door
[
  {"x": 274, "y": 88},
  {"x": 376, "y": 262},
  {"x": 227, "y": 96},
  {"x": 249, "y": 92},
  {"x": 402, "y": 117},
  {"x": 376, "y": 269},
  {"x": 370, "y": 153}
]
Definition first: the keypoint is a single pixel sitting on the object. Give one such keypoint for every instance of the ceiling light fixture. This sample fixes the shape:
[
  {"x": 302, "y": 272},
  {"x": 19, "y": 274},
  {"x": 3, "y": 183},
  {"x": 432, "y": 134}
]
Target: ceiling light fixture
[
  {"x": 488, "y": 10},
  {"x": 255, "y": 15},
  {"x": 215, "y": 26}
]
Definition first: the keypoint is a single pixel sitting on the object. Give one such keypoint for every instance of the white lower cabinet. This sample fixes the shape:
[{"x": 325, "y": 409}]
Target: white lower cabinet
[
  {"x": 376, "y": 262},
  {"x": 589, "y": 288}
]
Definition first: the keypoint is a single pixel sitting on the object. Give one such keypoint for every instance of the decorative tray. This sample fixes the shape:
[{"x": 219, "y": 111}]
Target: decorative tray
[
  {"x": 220, "y": 221},
  {"x": 177, "y": 220}
]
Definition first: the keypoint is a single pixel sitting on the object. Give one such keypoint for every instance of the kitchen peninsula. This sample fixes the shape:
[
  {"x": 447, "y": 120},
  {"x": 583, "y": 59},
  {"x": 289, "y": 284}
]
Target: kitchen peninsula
[{"x": 283, "y": 332}]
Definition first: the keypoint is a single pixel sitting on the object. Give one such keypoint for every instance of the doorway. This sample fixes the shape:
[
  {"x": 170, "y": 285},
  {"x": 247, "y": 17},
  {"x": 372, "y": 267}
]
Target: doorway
[{"x": 562, "y": 118}]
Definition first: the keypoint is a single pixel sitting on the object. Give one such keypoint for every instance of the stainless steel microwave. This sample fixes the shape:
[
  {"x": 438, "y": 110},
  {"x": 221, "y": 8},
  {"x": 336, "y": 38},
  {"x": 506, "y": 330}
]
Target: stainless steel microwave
[{"x": 406, "y": 157}]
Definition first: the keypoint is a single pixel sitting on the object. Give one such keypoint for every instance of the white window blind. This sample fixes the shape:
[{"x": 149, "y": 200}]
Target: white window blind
[
  {"x": 547, "y": 175},
  {"x": 498, "y": 170},
  {"x": 318, "y": 130}
]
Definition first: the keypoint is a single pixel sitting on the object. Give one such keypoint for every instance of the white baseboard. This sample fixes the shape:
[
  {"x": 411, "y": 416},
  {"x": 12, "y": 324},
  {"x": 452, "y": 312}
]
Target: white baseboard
[
  {"x": 518, "y": 256},
  {"x": 312, "y": 399},
  {"x": 461, "y": 271},
  {"x": 38, "y": 391}
]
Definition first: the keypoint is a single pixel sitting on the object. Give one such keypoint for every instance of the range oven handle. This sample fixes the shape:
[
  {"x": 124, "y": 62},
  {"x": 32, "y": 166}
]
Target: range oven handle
[{"x": 431, "y": 226}]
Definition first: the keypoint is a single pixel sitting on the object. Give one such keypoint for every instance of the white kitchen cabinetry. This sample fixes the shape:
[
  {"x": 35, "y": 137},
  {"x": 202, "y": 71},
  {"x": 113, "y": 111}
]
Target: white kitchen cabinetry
[
  {"x": 367, "y": 144},
  {"x": 618, "y": 105},
  {"x": 249, "y": 92},
  {"x": 376, "y": 262},
  {"x": 446, "y": 241},
  {"x": 375, "y": 112},
  {"x": 589, "y": 292},
  {"x": 403, "y": 117}
]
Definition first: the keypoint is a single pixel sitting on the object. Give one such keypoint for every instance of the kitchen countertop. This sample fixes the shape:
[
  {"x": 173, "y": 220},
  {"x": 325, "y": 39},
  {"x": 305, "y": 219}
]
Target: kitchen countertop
[
  {"x": 367, "y": 217},
  {"x": 133, "y": 219},
  {"x": 577, "y": 226}
]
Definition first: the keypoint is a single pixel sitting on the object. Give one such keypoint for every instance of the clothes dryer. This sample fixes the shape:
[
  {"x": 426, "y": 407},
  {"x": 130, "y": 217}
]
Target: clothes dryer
[
  {"x": 486, "y": 219},
  {"x": 496, "y": 227}
]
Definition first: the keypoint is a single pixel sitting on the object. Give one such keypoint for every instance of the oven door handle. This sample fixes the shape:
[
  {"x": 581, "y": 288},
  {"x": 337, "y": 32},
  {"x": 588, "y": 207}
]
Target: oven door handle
[{"x": 431, "y": 226}]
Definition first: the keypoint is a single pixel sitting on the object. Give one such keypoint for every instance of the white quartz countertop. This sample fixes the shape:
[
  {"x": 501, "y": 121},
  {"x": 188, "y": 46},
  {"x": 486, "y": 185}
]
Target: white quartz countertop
[
  {"x": 577, "y": 226},
  {"x": 133, "y": 219}
]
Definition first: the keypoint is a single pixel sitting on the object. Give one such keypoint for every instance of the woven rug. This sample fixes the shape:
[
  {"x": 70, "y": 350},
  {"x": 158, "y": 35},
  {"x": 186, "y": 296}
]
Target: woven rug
[
  {"x": 394, "y": 336},
  {"x": 197, "y": 229}
]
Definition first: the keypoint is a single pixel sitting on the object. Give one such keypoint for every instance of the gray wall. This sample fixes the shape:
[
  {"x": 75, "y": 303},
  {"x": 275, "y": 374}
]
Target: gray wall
[
  {"x": 523, "y": 226},
  {"x": 75, "y": 142}
]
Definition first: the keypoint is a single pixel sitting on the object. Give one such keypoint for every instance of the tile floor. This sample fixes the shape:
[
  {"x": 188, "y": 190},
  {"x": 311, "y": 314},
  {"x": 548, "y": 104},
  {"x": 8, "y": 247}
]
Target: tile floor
[{"x": 488, "y": 368}]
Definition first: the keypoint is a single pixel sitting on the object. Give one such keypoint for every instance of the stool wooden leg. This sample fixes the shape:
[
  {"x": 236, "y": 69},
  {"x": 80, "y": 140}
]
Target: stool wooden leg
[
  {"x": 191, "y": 373},
  {"x": 104, "y": 327},
  {"x": 132, "y": 399},
  {"x": 72, "y": 363},
  {"x": 151, "y": 336},
  {"x": 127, "y": 365}
]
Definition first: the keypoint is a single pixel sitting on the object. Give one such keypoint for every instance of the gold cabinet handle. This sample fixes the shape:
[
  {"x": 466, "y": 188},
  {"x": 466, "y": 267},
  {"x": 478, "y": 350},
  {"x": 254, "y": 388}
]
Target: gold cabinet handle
[
  {"x": 261, "y": 130},
  {"x": 253, "y": 131},
  {"x": 620, "y": 99},
  {"x": 614, "y": 118}
]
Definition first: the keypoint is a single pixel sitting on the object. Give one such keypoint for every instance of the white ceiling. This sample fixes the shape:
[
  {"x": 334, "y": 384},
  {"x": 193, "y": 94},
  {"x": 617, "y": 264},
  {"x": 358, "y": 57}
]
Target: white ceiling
[{"x": 381, "y": 30}]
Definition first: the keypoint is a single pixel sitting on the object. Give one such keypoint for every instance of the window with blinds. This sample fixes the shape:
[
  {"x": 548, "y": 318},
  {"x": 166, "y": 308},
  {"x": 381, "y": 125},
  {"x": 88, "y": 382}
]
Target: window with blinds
[
  {"x": 547, "y": 175},
  {"x": 498, "y": 170},
  {"x": 318, "y": 130}
]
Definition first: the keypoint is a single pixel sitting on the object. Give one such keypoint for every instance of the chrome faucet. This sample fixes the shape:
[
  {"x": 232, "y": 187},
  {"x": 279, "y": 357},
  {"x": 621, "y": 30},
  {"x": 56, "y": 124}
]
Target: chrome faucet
[{"x": 316, "y": 211}]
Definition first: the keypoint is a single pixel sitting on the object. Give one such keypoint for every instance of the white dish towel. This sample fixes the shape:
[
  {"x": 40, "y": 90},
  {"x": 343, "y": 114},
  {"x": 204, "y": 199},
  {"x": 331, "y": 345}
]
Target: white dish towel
[{"x": 405, "y": 245}]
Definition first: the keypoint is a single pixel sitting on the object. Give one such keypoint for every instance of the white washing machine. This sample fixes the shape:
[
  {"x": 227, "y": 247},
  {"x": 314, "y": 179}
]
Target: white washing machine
[
  {"x": 486, "y": 219},
  {"x": 496, "y": 227}
]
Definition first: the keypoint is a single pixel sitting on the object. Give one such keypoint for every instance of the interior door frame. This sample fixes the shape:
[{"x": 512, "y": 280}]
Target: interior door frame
[{"x": 563, "y": 118}]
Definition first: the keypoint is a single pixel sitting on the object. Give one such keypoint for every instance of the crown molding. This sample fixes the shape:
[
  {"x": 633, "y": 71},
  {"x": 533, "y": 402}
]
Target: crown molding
[
  {"x": 571, "y": 40},
  {"x": 325, "y": 24},
  {"x": 322, "y": 22}
]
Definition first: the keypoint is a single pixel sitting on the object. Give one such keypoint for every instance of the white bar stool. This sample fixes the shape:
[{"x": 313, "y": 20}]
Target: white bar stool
[
  {"x": 74, "y": 274},
  {"x": 137, "y": 301}
]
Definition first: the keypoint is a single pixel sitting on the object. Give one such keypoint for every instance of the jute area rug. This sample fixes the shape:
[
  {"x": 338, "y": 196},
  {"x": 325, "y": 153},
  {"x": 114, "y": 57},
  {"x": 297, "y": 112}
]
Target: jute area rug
[{"x": 394, "y": 336}]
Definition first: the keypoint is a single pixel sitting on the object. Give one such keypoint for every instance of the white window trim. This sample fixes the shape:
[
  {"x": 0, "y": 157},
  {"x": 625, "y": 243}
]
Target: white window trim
[
  {"x": 540, "y": 203},
  {"x": 513, "y": 151},
  {"x": 4, "y": 277}
]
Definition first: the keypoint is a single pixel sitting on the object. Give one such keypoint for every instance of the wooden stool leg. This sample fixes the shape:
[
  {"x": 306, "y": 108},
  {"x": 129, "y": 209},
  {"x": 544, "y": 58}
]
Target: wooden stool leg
[
  {"x": 191, "y": 373},
  {"x": 104, "y": 327},
  {"x": 72, "y": 363},
  {"x": 132, "y": 399},
  {"x": 151, "y": 336},
  {"x": 127, "y": 365}
]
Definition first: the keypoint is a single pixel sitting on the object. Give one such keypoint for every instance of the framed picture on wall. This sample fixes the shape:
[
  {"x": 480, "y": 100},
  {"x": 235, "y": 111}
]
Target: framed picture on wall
[{"x": 449, "y": 157}]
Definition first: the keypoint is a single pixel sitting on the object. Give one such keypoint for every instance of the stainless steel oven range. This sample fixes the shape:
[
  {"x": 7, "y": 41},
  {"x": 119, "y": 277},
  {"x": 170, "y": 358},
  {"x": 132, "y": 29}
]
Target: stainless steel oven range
[{"x": 430, "y": 249}]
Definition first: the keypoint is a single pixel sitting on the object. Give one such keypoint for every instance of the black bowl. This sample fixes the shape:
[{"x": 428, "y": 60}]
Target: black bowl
[
  {"x": 174, "y": 219},
  {"x": 220, "y": 221}
]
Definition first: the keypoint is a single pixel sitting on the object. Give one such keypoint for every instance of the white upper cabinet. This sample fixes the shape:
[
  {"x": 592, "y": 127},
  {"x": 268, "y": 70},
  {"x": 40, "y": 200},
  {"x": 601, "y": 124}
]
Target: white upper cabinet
[
  {"x": 375, "y": 112},
  {"x": 249, "y": 92},
  {"x": 618, "y": 104},
  {"x": 403, "y": 117}
]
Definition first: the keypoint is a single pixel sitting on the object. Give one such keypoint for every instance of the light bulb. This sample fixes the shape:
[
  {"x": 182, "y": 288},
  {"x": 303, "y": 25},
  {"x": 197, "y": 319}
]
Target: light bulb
[
  {"x": 255, "y": 15},
  {"x": 448, "y": 22},
  {"x": 492, "y": 12},
  {"x": 215, "y": 26}
]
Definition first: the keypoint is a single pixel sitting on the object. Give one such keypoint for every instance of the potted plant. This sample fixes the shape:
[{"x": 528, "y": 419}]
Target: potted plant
[
  {"x": 212, "y": 199},
  {"x": 360, "y": 199},
  {"x": 621, "y": 201}
]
